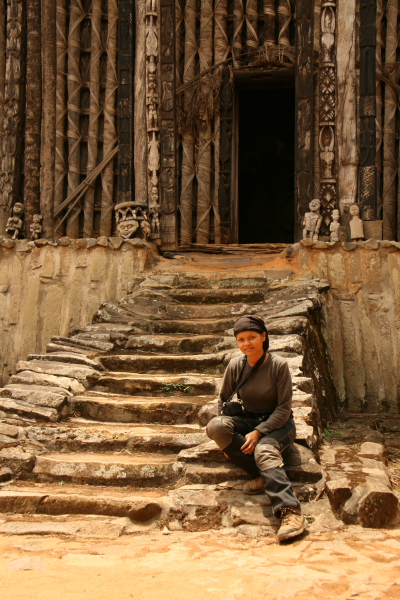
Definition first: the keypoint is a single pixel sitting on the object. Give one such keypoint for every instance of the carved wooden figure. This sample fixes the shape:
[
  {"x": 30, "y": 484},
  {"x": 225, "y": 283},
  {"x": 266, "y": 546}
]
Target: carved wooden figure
[
  {"x": 15, "y": 223},
  {"x": 312, "y": 221},
  {"x": 36, "y": 227},
  {"x": 334, "y": 226},
  {"x": 356, "y": 224}
]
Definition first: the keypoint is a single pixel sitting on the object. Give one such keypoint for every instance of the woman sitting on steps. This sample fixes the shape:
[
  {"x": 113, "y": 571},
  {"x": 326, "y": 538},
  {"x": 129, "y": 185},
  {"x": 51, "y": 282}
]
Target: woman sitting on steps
[{"x": 255, "y": 433}]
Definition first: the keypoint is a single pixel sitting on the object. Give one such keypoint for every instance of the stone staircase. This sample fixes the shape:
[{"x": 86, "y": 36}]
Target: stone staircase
[{"x": 110, "y": 421}]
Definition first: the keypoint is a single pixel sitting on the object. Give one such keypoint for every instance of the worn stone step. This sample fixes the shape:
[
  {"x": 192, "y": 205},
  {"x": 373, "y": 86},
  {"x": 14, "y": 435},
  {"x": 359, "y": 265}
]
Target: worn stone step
[
  {"x": 208, "y": 311},
  {"x": 67, "y": 348},
  {"x": 67, "y": 357},
  {"x": 79, "y": 435},
  {"x": 37, "y": 395},
  {"x": 179, "y": 343},
  {"x": 195, "y": 363},
  {"x": 140, "y": 410},
  {"x": 31, "y": 378},
  {"x": 150, "y": 385},
  {"x": 220, "y": 296},
  {"x": 79, "y": 372},
  {"x": 76, "y": 342},
  {"x": 141, "y": 470},
  {"x": 193, "y": 326},
  {"x": 229, "y": 279},
  {"x": 53, "y": 499},
  {"x": 23, "y": 409}
]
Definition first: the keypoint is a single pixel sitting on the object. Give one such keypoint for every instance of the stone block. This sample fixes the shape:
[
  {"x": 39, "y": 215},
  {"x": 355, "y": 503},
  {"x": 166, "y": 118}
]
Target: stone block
[
  {"x": 372, "y": 450},
  {"x": 371, "y": 243},
  {"x": 338, "y": 491},
  {"x": 349, "y": 246},
  {"x": 90, "y": 242},
  {"x": 9, "y": 430},
  {"x": 373, "y": 505},
  {"x": 6, "y": 243},
  {"x": 6, "y": 474},
  {"x": 207, "y": 412},
  {"x": 373, "y": 229},
  {"x": 64, "y": 241},
  {"x": 102, "y": 241},
  {"x": 116, "y": 242}
]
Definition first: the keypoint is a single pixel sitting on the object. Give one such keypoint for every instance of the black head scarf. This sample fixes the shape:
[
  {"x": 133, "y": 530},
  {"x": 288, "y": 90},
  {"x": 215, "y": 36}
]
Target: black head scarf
[{"x": 251, "y": 323}]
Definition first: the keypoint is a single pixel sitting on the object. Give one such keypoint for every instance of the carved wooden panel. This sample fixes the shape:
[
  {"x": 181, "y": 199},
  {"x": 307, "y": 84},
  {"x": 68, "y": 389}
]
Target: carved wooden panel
[
  {"x": 225, "y": 159},
  {"x": 126, "y": 46},
  {"x": 367, "y": 172},
  {"x": 327, "y": 113},
  {"x": 167, "y": 186},
  {"x": 304, "y": 109}
]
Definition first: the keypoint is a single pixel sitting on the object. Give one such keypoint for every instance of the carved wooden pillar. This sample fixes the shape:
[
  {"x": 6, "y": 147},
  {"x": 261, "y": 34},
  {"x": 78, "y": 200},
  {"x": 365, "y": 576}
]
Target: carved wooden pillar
[
  {"x": 367, "y": 174},
  {"x": 304, "y": 109},
  {"x": 11, "y": 163},
  {"x": 327, "y": 113},
  {"x": 125, "y": 67},
  {"x": 168, "y": 190},
  {"x": 225, "y": 149}
]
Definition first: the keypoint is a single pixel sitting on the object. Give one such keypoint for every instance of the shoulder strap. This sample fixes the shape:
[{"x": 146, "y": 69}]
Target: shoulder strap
[{"x": 241, "y": 381}]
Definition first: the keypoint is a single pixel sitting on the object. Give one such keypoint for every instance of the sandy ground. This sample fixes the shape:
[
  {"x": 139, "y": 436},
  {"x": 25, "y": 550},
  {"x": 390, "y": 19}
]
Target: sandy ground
[{"x": 352, "y": 563}]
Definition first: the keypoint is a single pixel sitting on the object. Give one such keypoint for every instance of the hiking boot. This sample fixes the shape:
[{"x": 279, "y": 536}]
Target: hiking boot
[
  {"x": 292, "y": 523},
  {"x": 255, "y": 486}
]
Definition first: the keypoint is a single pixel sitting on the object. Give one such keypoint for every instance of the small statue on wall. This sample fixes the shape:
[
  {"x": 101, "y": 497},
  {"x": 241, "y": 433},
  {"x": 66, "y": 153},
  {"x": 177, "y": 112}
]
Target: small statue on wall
[
  {"x": 15, "y": 223},
  {"x": 356, "y": 224},
  {"x": 334, "y": 226},
  {"x": 312, "y": 221},
  {"x": 36, "y": 227},
  {"x": 155, "y": 224},
  {"x": 145, "y": 227},
  {"x": 127, "y": 223}
]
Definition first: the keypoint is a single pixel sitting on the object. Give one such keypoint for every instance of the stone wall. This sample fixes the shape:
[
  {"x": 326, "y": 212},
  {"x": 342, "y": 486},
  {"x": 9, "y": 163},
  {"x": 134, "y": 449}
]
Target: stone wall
[
  {"x": 46, "y": 290},
  {"x": 360, "y": 319}
]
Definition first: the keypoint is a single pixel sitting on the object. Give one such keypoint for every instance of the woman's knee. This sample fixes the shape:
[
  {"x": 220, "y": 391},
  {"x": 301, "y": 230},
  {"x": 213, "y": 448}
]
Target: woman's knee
[
  {"x": 221, "y": 429},
  {"x": 267, "y": 457}
]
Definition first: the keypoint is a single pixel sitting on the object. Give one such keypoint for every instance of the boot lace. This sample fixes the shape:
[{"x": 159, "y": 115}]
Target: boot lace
[{"x": 285, "y": 514}]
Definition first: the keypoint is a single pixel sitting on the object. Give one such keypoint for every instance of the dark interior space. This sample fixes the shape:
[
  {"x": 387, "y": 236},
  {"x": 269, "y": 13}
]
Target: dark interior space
[{"x": 266, "y": 165}]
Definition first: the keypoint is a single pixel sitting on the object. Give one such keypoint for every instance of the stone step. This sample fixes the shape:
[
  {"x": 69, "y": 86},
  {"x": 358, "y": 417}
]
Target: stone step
[
  {"x": 175, "y": 410},
  {"x": 54, "y": 499},
  {"x": 179, "y": 343},
  {"x": 77, "y": 342},
  {"x": 78, "y": 435},
  {"x": 220, "y": 296},
  {"x": 37, "y": 395},
  {"x": 10, "y": 407},
  {"x": 208, "y": 311},
  {"x": 193, "y": 327},
  {"x": 67, "y": 357},
  {"x": 140, "y": 470},
  {"x": 151, "y": 385},
  {"x": 32, "y": 378},
  {"x": 79, "y": 372},
  {"x": 215, "y": 279},
  {"x": 167, "y": 363},
  {"x": 70, "y": 349}
]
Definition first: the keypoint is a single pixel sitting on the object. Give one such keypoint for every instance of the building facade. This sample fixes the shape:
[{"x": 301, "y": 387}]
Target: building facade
[{"x": 199, "y": 121}]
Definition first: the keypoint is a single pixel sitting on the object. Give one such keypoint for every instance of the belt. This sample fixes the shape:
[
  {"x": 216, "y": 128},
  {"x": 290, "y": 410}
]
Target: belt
[{"x": 260, "y": 418}]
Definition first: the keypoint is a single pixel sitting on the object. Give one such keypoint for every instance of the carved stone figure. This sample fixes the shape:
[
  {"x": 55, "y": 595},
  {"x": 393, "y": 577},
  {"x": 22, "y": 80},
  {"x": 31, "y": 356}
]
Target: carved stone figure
[
  {"x": 127, "y": 223},
  {"x": 334, "y": 226},
  {"x": 36, "y": 227},
  {"x": 312, "y": 221},
  {"x": 145, "y": 227},
  {"x": 356, "y": 224},
  {"x": 155, "y": 224},
  {"x": 15, "y": 223}
]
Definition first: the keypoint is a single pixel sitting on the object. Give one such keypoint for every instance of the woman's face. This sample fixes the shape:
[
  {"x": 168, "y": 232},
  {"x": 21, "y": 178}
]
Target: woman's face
[{"x": 251, "y": 342}]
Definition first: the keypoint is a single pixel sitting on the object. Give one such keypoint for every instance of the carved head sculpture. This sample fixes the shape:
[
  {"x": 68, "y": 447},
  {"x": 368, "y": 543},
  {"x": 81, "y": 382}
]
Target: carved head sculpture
[
  {"x": 315, "y": 205},
  {"x": 18, "y": 209},
  {"x": 354, "y": 210},
  {"x": 37, "y": 219},
  {"x": 127, "y": 222},
  {"x": 154, "y": 195},
  {"x": 335, "y": 215},
  {"x": 126, "y": 229}
]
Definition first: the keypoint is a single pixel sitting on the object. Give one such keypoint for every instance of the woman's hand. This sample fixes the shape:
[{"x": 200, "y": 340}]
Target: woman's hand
[{"x": 252, "y": 440}]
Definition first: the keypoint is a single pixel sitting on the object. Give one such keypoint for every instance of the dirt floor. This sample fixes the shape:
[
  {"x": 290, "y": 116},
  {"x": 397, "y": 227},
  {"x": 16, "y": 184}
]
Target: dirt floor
[{"x": 351, "y": 563}]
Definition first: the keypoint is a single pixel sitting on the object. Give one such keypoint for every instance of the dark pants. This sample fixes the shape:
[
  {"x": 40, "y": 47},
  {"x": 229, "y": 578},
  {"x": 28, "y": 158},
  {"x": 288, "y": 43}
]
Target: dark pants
[{"x": 267, "y": 459}]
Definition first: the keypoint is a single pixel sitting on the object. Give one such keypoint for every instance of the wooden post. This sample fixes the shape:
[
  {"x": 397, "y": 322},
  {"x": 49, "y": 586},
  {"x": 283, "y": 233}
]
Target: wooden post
[
  {"x": 327, "y": 113},
  {"x": 140, "y": 130},
  {"x": 285, "y": 16},
  {"x": 238, "y": 20},
  {"x": 221, "y": 52},
  {"x": 225, "y": 152},
  {"x": 252, "y": 26},
  {"x": 74, "y": 89},
  {"x": 11, "y": 156},
  {"x": 304, "y": 110},
  {"x": 389, "y": 129},
  {"x": 3, "y": 214},
  {"x": 379, "y": 108},
  {"x": 169, "y": 232},
  {"x": 61, "y": 109},
  {"x": 96, "y": 50},
  {"x": 110, "y": 130},
  {"x": 188, "y": 174},
  {"x": 367, "y": 110},
  {"x": 203, "y": 165},
  {"x": 346, "y": 128},
  {"x": 47, "y": 173},
  {"x": 270, "y": 21},
  {"x": 125, "y": 111}
]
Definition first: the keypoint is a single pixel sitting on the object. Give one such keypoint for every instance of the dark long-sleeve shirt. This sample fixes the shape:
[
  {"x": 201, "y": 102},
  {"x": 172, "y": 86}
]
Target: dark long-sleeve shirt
[{"x": 269, "y": 390}]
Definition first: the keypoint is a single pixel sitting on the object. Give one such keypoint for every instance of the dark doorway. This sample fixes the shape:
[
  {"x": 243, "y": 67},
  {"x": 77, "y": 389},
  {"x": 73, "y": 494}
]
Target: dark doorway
[{"x": 266, "y": 165}]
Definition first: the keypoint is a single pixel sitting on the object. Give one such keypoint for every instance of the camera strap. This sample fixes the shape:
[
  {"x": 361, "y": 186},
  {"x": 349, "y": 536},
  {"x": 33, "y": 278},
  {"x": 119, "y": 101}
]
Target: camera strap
[{"x": 241, "y": 382}]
